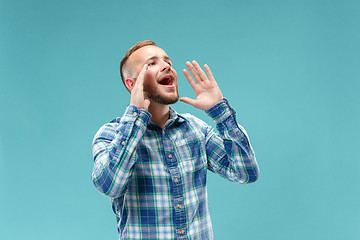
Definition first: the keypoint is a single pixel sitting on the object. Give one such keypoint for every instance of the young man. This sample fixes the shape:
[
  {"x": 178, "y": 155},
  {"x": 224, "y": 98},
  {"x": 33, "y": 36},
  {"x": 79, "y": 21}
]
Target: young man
[{"x": 152, "y": 162}]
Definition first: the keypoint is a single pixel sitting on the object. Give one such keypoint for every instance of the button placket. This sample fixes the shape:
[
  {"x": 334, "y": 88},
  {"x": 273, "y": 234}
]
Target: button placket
[
  {"x": 170, "y": 160},
  {"x": 179, "y": 203}
]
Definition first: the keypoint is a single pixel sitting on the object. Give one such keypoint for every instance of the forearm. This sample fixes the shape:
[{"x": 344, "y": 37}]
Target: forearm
[
  {"x": 230, "y": 153},
  {"x": 113, "y": 149}
]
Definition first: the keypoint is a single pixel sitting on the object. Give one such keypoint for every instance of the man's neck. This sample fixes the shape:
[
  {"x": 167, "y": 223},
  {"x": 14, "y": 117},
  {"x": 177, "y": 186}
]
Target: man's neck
[{"x": 159, "y": 113}]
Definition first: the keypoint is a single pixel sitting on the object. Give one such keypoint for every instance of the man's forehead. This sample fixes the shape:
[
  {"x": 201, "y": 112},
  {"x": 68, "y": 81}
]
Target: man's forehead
[{"x": 147, "y": 52}]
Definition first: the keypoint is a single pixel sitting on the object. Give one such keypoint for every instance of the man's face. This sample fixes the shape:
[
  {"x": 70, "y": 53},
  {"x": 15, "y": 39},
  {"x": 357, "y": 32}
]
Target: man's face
[{"x": 160, "y": 81}]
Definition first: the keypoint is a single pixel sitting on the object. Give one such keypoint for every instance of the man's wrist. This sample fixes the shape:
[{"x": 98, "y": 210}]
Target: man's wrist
[
  {"x": 220, "y": 111},
  {"x": 133, "y": 112}
]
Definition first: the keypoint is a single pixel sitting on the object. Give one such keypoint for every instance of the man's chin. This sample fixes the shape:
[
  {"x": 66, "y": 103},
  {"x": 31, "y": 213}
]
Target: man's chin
[{"x": 165, "y": 100}]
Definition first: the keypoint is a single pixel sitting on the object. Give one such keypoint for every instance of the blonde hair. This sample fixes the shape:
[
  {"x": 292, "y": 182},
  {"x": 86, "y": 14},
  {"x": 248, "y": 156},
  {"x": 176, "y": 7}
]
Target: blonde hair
[{"x": 131, "y": 51}]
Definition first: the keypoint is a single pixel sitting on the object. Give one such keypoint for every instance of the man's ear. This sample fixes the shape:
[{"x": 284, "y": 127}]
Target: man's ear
[{"x": 130, "y": 83}]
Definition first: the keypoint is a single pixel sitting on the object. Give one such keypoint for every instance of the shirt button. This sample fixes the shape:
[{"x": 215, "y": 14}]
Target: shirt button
[
  {"x": 179, "y": 206},
  {"x": 135, "y": 114},
  {"x": 170, "y": 156},
  {"x": 176, "y": 180},
  {"x": 123, "y": 143},
  {"x": 181, "y": 231}
]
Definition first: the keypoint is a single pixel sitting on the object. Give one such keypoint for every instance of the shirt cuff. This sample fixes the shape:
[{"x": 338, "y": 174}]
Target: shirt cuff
[
  {"x": 221, "y": 111},
  {"x": 132, "y": 113}
]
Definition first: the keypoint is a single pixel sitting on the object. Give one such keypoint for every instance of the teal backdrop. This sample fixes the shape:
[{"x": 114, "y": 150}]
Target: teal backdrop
[{"x": 289, "y": 67}]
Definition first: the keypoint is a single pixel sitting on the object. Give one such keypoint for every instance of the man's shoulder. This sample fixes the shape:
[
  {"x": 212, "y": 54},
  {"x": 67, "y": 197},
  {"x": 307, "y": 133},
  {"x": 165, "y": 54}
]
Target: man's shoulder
[{"x": 193, "y": 120}]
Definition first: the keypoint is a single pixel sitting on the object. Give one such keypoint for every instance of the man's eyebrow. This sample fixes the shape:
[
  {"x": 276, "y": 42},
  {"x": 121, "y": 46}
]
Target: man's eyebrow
[{"x": 155, "y": 57}]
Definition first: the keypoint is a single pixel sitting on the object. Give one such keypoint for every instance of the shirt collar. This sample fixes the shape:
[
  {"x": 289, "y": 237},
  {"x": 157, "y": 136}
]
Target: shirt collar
[
  {"x": 173, "y": 118},
  {"x": 176, "y": 117}
]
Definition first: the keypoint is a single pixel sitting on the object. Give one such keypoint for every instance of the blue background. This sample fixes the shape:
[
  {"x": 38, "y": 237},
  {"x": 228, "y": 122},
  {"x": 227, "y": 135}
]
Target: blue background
[{"x": 289, "y": 68}]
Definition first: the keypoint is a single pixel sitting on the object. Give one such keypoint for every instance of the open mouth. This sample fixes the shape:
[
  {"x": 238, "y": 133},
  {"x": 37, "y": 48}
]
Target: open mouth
[{"x": 167, "y": 80}]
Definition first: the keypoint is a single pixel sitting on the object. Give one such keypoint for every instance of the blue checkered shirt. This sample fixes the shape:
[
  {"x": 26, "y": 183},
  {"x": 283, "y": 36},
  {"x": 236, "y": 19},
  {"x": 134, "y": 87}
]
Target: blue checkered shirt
[{"x": 156, "y": 178}]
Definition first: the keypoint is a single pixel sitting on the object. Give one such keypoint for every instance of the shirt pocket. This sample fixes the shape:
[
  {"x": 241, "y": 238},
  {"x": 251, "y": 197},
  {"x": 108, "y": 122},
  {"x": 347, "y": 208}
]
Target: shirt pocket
[{"x": 191, "y": 154}]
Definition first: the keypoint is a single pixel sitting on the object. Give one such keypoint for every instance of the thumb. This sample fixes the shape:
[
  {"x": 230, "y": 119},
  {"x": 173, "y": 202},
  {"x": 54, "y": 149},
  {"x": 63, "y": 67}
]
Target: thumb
[
  {"x": 147, "y": 103},
  {"x": 187, "y": 100}
]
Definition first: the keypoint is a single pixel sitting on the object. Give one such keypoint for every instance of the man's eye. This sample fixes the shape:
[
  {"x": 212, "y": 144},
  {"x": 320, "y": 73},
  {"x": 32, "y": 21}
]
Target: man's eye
[{"x": 152, "y": 63}]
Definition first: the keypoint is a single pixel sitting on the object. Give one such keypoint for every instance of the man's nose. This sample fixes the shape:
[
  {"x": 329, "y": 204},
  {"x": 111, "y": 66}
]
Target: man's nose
[{"x": 166, "y": 67}]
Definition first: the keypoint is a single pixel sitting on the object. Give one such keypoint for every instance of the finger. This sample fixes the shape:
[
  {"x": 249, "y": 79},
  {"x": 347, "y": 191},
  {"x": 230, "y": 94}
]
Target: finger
[
  {"x": 209, "y": 73},
  {"x": 146, "y": 103},
  {"x": 193, "y": 71},
  {"x": 140, "y": 78},
  {"x": 189, "y": 78},
  {"x": 187, "y": 100},
  {"x": 200, "y": 71}
]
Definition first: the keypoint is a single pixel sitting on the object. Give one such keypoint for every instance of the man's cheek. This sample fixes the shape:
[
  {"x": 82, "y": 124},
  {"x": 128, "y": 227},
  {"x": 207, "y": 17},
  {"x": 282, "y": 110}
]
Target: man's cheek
[
  {"x": 149, "y": 76},
  {"x": 147, "y": 80},
  {"x": 174, "y": 72}
]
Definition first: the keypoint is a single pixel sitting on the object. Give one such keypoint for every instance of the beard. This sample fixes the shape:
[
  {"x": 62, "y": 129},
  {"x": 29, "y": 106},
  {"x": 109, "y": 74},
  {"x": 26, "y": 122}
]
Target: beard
[{"x": 152, "y": 93}]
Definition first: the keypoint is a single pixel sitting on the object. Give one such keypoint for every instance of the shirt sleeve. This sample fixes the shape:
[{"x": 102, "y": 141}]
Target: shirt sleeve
[
  {"x": 229, "y": 152},
  {"x": 113, "y": 147}
]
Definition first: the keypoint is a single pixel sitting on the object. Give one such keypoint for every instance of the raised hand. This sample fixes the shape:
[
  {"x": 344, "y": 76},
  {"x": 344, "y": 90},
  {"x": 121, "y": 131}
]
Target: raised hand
[
  {"x": 137, "y": 93},
  {"x": 206, "y": 89}
]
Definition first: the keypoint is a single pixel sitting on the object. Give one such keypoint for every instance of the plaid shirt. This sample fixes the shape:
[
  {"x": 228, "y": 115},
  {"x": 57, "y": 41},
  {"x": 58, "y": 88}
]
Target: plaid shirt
[{"x": 156, "y": 178}]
